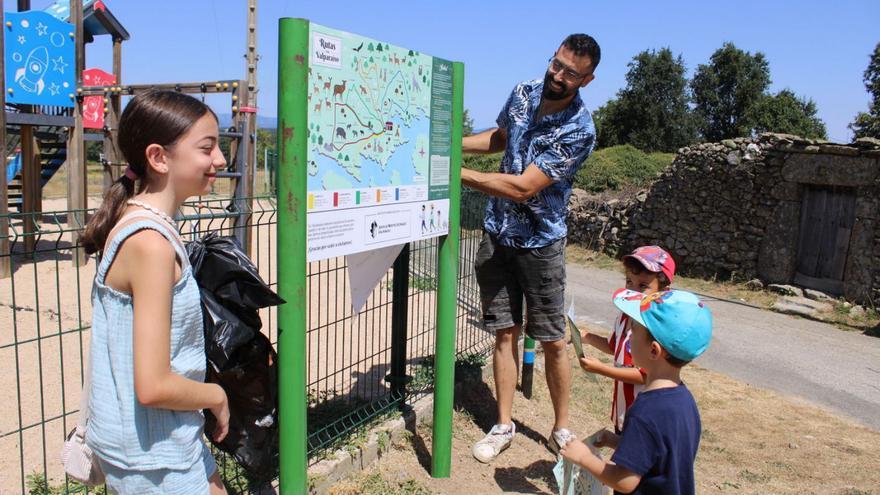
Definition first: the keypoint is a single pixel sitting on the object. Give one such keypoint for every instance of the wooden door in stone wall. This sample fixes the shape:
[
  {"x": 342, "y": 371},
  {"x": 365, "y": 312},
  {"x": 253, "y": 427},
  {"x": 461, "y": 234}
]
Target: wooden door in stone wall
[{"x": 827, "y": 218}]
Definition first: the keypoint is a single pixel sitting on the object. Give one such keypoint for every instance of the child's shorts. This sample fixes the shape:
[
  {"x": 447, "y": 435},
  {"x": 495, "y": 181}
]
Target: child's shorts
[{"x": 162, "y": 481}]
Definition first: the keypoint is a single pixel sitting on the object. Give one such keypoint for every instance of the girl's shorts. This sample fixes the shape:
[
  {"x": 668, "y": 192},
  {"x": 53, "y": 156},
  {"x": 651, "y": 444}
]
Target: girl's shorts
[{"x": 162, "y": 481}]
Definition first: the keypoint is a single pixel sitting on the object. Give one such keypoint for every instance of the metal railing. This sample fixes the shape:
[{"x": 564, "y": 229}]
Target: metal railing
[{"x": 45, "y": 317}]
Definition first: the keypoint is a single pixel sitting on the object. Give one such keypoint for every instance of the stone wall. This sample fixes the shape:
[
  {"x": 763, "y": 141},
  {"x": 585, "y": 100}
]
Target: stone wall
[
  {"x": 600, "y": 223},
  {"x": 733, "y": 209}
]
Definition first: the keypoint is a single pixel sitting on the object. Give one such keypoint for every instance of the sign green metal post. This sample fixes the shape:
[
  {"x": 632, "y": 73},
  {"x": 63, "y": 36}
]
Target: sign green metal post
[
  {"x": 447, "y": 306},
  {"x": 293, "y": 47}
]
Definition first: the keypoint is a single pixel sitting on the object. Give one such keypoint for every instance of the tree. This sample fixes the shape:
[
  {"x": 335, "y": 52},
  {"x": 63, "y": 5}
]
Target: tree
[
  {"x": 867, "y": 124},
  {"x": 266, "y": 140},
  {"x": 725, "y": 91},
  {"x": 785, "y": 112},
  {"x": 467, "y": 124},
  {"x": 607, "y": 132},
  {"x": 94, "y": 150},
  {"x": 651, "y": 112}
]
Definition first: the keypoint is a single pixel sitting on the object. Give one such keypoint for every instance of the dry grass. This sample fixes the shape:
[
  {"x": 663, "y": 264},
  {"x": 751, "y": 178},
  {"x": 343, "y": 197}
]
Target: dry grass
[
  {"x": 754, "y": 441},
  {"x": 735, "y": 291}
]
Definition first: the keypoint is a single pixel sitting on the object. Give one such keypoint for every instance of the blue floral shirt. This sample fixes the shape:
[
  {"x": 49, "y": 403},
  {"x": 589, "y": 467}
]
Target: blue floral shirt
[{"x": 557, "y": 144}]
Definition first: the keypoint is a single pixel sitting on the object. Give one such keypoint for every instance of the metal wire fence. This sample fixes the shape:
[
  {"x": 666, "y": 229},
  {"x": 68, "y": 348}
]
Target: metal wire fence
[{"x": 45, "y": 316}]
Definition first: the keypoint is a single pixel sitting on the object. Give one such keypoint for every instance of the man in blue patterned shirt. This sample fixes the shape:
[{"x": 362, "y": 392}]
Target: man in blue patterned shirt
[{"x": 546, "y": 133}]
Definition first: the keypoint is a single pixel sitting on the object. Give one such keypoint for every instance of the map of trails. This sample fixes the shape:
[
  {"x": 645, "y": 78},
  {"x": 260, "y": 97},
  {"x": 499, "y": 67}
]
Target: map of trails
[{"x": 379, "y": 140}]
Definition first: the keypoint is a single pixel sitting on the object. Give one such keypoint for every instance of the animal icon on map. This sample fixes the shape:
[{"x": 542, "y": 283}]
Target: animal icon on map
[{"x": 338, "y": 89}]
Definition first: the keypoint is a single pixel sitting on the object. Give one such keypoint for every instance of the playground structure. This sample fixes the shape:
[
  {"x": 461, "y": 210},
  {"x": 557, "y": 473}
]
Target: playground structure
[
  {"x": 356, "y": 366},
  {"x": 54, "y": 106}
]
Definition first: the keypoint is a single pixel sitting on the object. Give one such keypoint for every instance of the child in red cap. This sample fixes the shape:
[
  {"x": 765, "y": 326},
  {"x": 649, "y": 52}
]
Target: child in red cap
[{"x": 648, "y": 269}]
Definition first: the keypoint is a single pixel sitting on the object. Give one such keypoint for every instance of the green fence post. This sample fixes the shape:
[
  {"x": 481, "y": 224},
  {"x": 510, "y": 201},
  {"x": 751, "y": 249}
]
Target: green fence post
[
  {"x": 447, "y": 305},
  {"x": 293, "y": 44}
]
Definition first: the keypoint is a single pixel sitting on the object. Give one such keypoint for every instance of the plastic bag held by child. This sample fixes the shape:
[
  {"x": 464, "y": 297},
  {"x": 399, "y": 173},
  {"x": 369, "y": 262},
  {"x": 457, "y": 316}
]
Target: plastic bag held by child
[{"x": 240, "y": 358}]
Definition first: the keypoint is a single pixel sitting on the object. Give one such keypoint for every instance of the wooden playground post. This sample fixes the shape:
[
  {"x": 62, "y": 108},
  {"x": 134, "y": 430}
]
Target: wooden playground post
[
  {"x": 250, "y": 100},
  {"x": 5, "y": 260},
  {"x": 77, "y": 199},
  {"x": 244, "y": 190},
  {"x": 30, "y": 185},
  {"x": 111, "y": 120},
  {"x": 30, "y": 171}
]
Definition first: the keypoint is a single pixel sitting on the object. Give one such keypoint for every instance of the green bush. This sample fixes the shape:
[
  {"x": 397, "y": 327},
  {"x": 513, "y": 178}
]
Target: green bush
[
  {"x": 613, "y": 168},
  {"x": 483, "y": 163},
  {"x": 620, "y": 166}
]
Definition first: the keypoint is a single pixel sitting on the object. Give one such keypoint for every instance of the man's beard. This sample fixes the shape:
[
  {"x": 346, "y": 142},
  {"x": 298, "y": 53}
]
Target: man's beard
[{"x": 551, "y": 94}]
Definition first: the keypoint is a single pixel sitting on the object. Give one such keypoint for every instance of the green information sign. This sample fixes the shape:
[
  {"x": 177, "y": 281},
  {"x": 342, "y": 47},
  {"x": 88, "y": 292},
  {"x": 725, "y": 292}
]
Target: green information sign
[{"x": 379, "y": 144}]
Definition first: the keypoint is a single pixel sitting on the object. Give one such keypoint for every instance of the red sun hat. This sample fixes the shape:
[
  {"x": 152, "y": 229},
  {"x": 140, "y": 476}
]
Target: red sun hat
[{"x": 655, "y": 259}]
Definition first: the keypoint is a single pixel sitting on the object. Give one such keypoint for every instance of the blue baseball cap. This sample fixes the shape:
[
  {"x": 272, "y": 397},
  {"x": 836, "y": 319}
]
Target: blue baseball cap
[{"x": 677, "y": 319}]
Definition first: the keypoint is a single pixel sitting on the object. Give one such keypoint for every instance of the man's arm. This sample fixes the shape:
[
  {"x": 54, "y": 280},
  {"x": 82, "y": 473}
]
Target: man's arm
[
  {"x": 517, "y": 188},
  {"x": 490, "y": 141}
]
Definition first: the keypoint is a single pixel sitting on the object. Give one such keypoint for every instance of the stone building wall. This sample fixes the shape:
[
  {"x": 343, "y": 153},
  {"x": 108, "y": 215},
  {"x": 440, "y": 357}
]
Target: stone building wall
[{"x": 734, "y": 209}]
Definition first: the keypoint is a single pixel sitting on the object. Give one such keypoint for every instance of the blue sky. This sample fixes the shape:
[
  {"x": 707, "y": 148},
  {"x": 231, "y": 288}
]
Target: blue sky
[{"x": 817, "y": 49}]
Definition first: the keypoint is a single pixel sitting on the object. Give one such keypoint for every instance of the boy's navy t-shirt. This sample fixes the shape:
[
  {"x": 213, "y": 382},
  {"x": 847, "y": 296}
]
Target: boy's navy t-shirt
[{"x": 661, "y": 434}]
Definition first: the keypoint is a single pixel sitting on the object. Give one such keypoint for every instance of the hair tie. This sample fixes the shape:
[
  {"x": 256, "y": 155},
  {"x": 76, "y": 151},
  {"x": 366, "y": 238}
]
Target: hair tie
[{"x": 131, "y": 174}]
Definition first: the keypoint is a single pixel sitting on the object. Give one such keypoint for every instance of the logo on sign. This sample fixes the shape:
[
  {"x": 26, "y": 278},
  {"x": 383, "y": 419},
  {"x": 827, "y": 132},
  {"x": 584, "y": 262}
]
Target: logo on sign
[{"x": 326, "y": 50}]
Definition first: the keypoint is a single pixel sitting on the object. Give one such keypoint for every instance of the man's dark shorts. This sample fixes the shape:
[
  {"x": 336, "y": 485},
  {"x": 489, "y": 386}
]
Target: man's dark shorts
[{"x": 508, "y": 275}]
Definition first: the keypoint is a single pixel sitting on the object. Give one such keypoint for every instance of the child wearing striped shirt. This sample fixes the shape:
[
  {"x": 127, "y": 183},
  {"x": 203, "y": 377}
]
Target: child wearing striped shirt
[{"x": 648, "y": 269}]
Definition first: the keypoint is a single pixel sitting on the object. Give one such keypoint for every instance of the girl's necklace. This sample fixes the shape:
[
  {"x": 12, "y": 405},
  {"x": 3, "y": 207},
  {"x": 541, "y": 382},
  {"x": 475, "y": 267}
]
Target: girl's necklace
[{"x": 152, "y": 209}]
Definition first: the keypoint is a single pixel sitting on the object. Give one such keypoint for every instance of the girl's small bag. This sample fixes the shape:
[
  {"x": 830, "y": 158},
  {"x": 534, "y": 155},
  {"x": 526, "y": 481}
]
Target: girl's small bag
[{"x": 79, "y": 461}]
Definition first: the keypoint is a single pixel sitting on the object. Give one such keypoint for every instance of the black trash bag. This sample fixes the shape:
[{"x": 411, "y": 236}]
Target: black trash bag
[
  {"x": 224, "y": 271},
  {"x": 240, "y": 358}
]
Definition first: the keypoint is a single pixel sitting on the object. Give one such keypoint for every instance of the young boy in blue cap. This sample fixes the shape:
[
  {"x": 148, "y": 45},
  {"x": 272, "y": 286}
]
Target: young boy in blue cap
[{"x": 656, "y": 451}]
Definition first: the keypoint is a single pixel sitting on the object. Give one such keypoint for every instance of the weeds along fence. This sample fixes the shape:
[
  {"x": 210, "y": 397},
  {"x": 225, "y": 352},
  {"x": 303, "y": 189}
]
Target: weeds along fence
[{"x": 45, "y": 316}]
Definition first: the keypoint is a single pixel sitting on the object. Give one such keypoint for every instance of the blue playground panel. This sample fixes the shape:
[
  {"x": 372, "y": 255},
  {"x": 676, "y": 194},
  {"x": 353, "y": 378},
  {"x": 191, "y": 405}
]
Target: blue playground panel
[{"x": 39, "y": 56}]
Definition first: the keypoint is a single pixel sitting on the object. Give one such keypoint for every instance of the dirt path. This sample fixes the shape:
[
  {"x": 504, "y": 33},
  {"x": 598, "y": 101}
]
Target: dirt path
[{"x": 833, "y": 368}]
